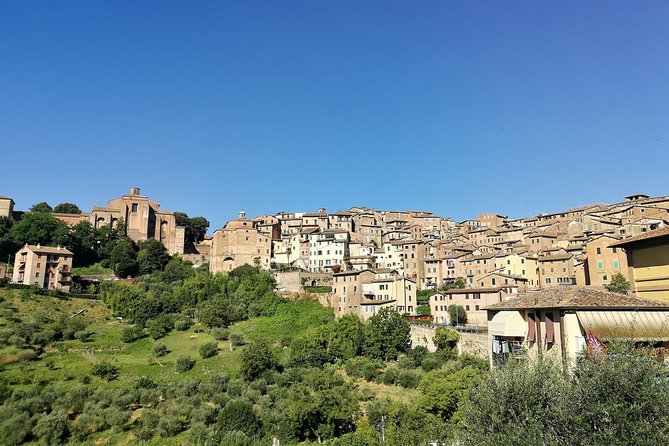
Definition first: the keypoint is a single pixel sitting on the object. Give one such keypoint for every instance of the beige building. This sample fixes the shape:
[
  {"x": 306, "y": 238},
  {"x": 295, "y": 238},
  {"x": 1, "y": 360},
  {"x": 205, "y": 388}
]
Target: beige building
[
  {"x": 143, "y": 220},
  {"x": 6, "y": 207},
  {"x": 388, "y": 289},
  {"x": 45, "y": 266},
  {"x": 473, "y": 300},
  {"x": 556, "y": 269},
  {"x": 240, "y": 243},
  {"x": 602, "y": 262},
  {"x": 347, "y": 291}
]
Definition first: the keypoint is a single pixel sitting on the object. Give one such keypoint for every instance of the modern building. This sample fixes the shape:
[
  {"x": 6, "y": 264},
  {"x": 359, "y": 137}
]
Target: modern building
[{"x": 45, "y": 266}]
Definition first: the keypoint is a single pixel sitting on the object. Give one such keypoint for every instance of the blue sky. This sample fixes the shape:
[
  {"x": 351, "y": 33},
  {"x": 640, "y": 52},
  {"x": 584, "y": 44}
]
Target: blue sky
[{"x": 454, "y": 107}]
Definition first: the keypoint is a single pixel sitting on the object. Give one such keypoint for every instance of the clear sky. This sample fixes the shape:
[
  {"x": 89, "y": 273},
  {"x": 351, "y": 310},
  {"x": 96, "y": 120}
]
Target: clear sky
[{"x": 515, "y": 107}]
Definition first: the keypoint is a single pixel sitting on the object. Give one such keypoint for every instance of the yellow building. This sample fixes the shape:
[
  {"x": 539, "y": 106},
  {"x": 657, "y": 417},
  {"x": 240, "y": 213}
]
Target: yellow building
[
  {"x": 602, "y": 261},
  {"x": 648, "y": 263}
]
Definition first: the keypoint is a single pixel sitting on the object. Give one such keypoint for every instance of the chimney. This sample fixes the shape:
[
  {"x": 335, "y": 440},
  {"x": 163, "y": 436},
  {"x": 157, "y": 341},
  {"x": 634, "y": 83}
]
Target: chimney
[
  {"x": 242, "y": 215},
  {"x": 38, "y": 246},
  {"x": 134, "y": 191},
  {"x": 321, "y": 211}
]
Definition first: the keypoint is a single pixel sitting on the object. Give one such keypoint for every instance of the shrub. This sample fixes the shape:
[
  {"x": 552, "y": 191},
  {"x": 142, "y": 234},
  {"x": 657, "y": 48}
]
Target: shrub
[
  {"x": 132, "y": 333},
  {"x": 390, "y": 376},
  {"x": 105, "y": 370},
  {"x": 361, "y": 367},
  {"x": 183, "y": 324},
  {"x": 238, "y": 415},
  {"x": 160, "y": 349},
  {"x": 83, "y": 336},
  {"x": 208, "y": 349},
  {"x": 220, "y": 334},
  {"x": 430, "y": 363},
  {"x": 408, "y": 379},
  {"x": 52, "y": 428},
  {"x": 160, "y": 326},
  {"x": 236, "y": 339},
  {"x": 184, "y": 363},
  {"x": 257, "y": 358},
  {"x": 26, "y": 355}
]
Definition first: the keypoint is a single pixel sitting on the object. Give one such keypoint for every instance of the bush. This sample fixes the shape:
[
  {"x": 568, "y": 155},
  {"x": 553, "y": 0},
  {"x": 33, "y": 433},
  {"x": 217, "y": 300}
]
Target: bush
[
  {"x": 409, "y": 379},
  {"x": 237, "y": 339},
  {"x": 238, "y": 415},
  {"x": 184, "y": 363},
  {"x": 105, "y": 370},
  {"x": 160, "y": 349},
  {"x": 183, "y": 324},
  {"x": 83, "y": 336},
  {"x": 220, "y": 334},
  {"x": 361, "y": 367},
  {"x": 208, "y": 349},
  {"x": 257, "y": 358},
  {"x": 430, "y": 363},
  {"x": 52, "y": 428},
  {"x": 390, "y": 376},
  {"x": 132, "y": 333},
  {"x": 160, "y": 326}
]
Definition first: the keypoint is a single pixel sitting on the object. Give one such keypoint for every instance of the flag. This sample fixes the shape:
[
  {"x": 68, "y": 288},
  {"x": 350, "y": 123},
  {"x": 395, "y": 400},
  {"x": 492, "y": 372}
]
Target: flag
[{"x": 596, "y": 349}]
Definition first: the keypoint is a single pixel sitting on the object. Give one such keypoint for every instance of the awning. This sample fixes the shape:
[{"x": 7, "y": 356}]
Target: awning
[
  {"x": 636, "y": 325},
  {"x": 508, "y": 323}
]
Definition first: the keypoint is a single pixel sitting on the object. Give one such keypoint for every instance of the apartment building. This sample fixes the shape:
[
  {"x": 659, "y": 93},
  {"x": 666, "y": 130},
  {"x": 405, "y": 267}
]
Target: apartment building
[{"x": 45, "y": 266}]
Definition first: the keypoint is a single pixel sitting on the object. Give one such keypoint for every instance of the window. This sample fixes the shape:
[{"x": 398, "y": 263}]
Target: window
[
  {"x": 600, "y": 265},
  {"x": 615, "y": 263},
  {"x": 477, "y": 308},
  {"x": 599, "y": 250},
  {"x": 493, "y": 281},
  {"x": 134, "y": 207}
]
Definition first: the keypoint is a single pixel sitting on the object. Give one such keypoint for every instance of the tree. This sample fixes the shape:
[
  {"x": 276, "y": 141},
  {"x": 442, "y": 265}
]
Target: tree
[
  {"x": 446, "y": 338},
  {"x": 457, "y": 314},
  {"x": 460, "y": 282},
  {"x": 67, "y": 208},
  {"x": 218, "y": 311},
  {"x": 442, "y": 390},
  {"x": 123, "y": 258},
  {"x": 83, "y": 240},
  {"x": 195, "y": 228},
  {"x": 619, "y": 284},
  {"x": 42, "y": 207},
  {"x": 387, "y": 334},
  {"x": 256, "y": 358},
  {"x": 238, "y": 415},
  {"x": 40, "y": 228},
  {"x": 152, "y": 256}
]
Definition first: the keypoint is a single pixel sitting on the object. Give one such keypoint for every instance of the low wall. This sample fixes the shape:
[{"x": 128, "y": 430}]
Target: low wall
[
  {"x": 292, "y": 281},
  {"x": 471, "y": 343}
]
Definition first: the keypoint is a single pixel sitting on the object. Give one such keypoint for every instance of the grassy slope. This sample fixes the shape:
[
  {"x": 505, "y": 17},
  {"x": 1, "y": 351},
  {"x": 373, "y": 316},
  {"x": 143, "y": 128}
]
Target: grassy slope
[{"x": 74, "y": 359}]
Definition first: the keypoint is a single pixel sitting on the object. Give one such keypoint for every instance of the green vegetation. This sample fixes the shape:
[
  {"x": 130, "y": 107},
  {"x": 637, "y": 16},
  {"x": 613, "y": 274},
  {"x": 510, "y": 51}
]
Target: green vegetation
[
  {"x": 618, "y": 284},
  {"x": 220, "y": 359},
  {"x": 457, "y": 314},
  {"x": 93, "y": 270}
]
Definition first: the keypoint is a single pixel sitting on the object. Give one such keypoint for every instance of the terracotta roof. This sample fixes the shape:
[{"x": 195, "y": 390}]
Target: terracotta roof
[
  {"x": 555, "y": 258},
  {"x": 575, "y": 297},
  {"x": 494, "y": 289},
  {"x": 658, "y": 233}
]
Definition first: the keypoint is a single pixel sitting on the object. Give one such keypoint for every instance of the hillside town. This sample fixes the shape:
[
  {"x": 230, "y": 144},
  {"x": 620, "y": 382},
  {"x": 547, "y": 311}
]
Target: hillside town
[{"x": 369, "y": 259}]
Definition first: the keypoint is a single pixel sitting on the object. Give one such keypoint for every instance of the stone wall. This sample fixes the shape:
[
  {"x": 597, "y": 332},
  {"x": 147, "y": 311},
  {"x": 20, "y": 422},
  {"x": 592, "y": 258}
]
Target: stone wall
[
  {"x": 292, "y": 281},
  {"x": 470, "y": 343}
]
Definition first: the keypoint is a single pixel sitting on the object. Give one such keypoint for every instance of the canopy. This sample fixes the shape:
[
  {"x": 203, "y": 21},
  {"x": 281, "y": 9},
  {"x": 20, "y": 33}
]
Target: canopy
[
  {"x": 636, "y": 325},
  {"x": 508, "y": 323}
]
